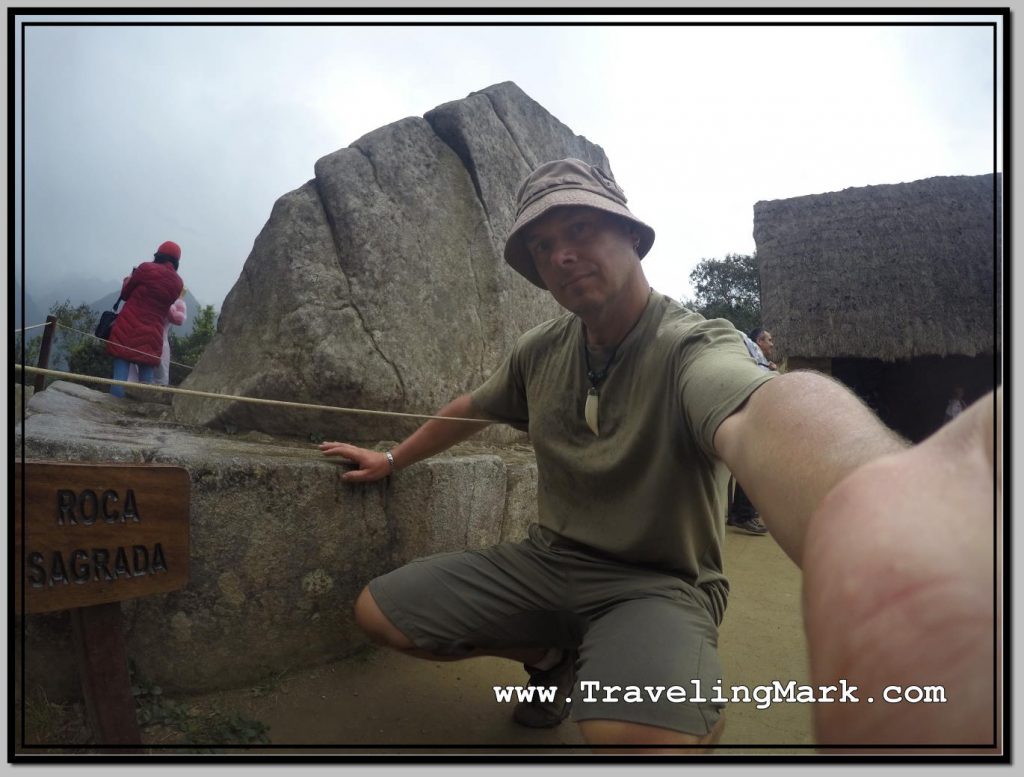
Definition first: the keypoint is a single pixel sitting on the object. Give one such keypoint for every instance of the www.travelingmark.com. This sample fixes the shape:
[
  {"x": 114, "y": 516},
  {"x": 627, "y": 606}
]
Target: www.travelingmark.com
[{"x": 763, "y": 696}]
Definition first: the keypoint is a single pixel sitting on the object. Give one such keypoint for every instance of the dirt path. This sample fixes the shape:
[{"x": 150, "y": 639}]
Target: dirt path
[{"x": 382, "y": 701}]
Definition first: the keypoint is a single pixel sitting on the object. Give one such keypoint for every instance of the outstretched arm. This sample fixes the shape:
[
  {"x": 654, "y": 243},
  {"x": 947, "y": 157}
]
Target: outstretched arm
[
  {"x": 897, "y": 546},
  {"x": 796, "y": 437},
  {"x": 431, "y": 438},
  {"x": 900, "y": 589}
]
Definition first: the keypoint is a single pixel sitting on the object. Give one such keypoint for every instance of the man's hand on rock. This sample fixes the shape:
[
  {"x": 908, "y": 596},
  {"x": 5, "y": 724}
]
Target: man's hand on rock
[{"x": 369, "y": 465}]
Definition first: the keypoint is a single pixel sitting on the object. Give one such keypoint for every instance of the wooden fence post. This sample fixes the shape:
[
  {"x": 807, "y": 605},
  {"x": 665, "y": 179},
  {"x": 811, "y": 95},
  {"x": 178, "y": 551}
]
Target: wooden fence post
[
  {"x": 44, "y": 352},
  {"x": 103, "y": 668}
]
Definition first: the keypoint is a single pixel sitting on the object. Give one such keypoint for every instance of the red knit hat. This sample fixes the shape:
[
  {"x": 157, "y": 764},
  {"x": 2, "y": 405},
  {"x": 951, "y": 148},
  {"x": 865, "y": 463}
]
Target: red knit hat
[{"x": 170, "y": 248}]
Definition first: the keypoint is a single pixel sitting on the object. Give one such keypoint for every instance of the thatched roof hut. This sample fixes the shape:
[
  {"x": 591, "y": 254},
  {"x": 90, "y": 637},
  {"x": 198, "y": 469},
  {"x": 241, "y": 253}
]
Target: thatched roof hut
[{"x": 883, "y": 272}]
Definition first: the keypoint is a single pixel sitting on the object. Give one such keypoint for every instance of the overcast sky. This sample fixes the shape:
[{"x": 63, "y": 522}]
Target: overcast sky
[{"x": 135, "y": 135}]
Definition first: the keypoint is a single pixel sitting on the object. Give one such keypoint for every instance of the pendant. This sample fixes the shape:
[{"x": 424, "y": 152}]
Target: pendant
[{"x": 590, "y": 410}]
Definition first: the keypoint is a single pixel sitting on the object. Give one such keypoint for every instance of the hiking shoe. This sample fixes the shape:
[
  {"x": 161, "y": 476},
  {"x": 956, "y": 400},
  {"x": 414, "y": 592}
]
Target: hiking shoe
[
  {"x": 751, "y": 526},
  {"x": 545, "y": 714}
]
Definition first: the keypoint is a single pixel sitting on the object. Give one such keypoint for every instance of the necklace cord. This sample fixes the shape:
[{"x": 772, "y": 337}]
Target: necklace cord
[{"x": 596, "y": 377}]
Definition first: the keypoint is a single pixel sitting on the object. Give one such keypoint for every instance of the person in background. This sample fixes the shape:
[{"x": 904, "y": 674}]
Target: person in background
[
  {"x": 761, "y": 345},
  {"x": 138, "y": 333},
  {"x": 956, "y": 405},
  {"x": 742, "y": 515},
  {"x": 176, "y": 315}
]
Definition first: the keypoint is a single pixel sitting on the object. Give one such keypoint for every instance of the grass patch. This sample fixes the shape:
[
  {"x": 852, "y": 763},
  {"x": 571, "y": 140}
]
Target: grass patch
[
  {"x": 52, "y": 727},
  {"x": 168, "y": 722}
]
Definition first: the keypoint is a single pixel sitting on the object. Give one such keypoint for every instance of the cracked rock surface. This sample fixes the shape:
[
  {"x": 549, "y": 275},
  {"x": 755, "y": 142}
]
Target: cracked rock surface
[{"x": 380, "y": 283}]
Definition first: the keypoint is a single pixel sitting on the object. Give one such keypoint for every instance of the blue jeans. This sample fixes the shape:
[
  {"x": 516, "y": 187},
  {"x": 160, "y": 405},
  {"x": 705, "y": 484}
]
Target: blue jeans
[{"x": 121, "y": 373}]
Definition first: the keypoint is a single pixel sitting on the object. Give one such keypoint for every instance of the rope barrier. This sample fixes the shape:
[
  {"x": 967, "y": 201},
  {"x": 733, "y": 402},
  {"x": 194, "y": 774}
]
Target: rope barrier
[
  {"x": 235, "y": 398},
  {"x": 34, "y": 326},
  {"x": 94, "y": 337}
]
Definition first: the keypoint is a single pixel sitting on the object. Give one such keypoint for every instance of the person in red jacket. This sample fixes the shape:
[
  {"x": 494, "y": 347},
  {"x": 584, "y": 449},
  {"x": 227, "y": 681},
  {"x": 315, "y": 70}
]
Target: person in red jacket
[{"x": 138, "y": 334}]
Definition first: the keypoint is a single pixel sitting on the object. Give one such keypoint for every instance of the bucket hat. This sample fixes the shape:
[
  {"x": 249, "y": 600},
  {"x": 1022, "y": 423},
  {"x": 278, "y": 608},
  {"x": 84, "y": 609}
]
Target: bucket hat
[{"x": 560, "y": 183}]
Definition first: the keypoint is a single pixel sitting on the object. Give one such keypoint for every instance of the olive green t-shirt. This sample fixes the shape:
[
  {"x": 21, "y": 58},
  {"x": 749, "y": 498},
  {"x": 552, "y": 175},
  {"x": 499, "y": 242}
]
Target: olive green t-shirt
[{"x": 649, "y": 489}]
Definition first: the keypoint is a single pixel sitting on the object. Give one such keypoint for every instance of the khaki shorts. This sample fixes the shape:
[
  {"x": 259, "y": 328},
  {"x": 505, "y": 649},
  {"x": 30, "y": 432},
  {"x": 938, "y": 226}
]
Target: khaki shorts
[{"x": 634, "y": 628}]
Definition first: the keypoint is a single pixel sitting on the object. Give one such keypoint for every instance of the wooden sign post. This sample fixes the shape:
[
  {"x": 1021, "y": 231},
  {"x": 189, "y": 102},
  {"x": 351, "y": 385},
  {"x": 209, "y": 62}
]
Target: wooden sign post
[{"x": 88, "y": 536}]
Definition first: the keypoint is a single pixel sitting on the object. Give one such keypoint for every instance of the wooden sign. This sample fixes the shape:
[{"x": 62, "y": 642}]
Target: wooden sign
[{"x": 90, "y": 534}]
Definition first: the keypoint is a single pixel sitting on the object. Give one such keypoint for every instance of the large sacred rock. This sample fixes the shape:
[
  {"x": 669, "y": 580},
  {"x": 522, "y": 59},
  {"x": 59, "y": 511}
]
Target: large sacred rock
[{"x": 380, "y": 284}]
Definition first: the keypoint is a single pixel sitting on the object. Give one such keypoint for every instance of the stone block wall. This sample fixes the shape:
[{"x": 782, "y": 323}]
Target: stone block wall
[{"x": 279, "y": 545}]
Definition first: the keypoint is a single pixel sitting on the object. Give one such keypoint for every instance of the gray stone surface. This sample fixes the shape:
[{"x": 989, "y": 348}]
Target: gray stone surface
[
  {"x": 380, "y": 283},
  {"x": 280, "y": 546},
  {"x": 22, "y": 394},
  {"x": 500, "y": 135}
]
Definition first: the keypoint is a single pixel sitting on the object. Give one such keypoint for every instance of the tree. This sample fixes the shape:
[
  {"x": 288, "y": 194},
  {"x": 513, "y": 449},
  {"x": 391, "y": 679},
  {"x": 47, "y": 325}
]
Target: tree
[
  {"x": 74, "y": 348},
  {"x": 729, "y": 288},
  {"x": 188, "y": 349}
]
